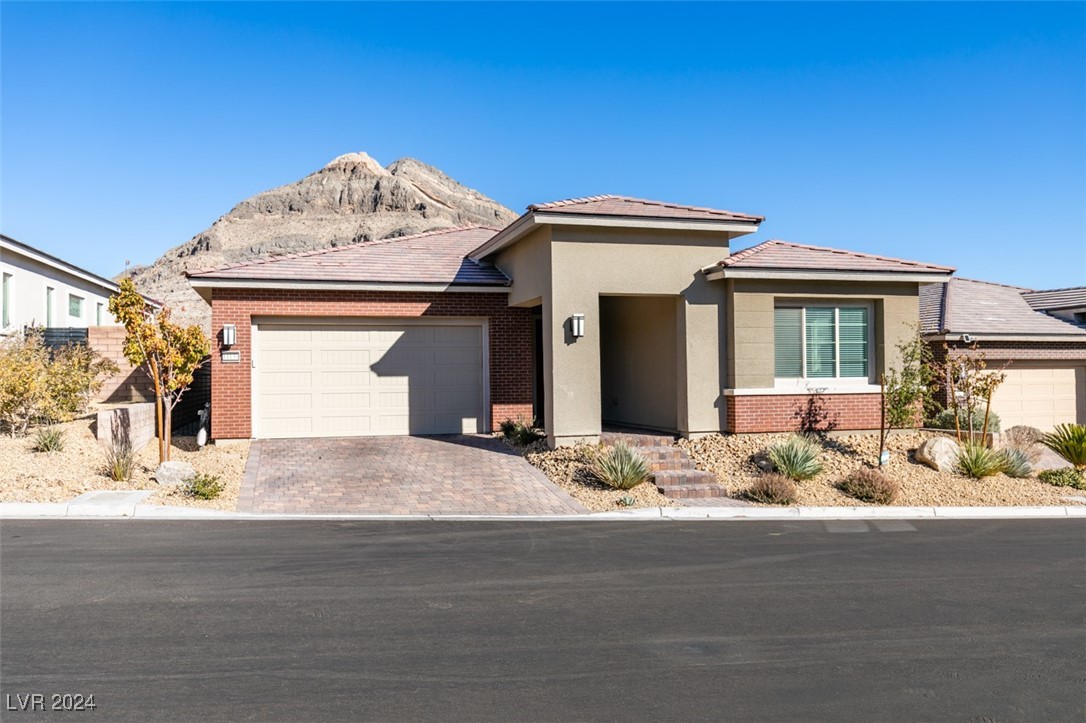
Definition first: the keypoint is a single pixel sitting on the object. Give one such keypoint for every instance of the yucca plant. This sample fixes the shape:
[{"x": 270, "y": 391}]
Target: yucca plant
[
  {"x": 1015, "y": 462},
  {"x": 621, "y": 467},
  {"x": 1069, "y": 442},
  {"x": 120, "y": 460},
  {"x": 978, "y": 461},
  {"x": 772, "y": 489},
  {"x": 797, "y": 457},
  {"x": 49, "y": 439}
]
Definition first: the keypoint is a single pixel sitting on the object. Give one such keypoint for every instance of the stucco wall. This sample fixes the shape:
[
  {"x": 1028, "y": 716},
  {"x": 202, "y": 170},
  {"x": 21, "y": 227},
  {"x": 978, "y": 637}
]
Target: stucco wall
[
  {"x": 750, "y": 355},
  {"x": 29, "y": 280},
  {"x": 638, "y": 359},
  {"x": 589, "y": 262}
]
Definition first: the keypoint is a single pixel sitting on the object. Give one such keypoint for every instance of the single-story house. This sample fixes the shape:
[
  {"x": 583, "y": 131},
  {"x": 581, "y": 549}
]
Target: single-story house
[
  {"x": 1039, "y": 336},
  {"x": 581, "y": 313},
  {"x": 42, "y": 290}
]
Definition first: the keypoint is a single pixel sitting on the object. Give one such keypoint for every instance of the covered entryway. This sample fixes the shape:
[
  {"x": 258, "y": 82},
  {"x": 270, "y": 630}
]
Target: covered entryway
[
  {"x": 360, "y": 378},
  {"x": 1041, "y": 397}
]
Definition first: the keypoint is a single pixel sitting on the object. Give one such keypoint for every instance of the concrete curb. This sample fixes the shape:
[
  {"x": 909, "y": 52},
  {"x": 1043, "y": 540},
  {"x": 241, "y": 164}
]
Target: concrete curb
[{"x": 73, "y": 510}]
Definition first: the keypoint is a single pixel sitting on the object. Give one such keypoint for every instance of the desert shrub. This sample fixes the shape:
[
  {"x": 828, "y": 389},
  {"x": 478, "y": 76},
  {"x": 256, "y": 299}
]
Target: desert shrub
[
  {"x": 772, "y": 489},
  {"x": 1066, "y": 477},
  {"x": 204, "y": 486},
  {"x": 797, "y": 457},
  {"x": 945, "y": 420},
  {"x": 49, "y": 439},
  {"x": 520, "y": 432},
  {"x": 621, "y": 467},
  {"x": 978, "y": 461},
  {"x": 1015, "y": 462},
  {"x": 870, "y": 485},
  {"x": 38, "y": 385},
  {"x": 1069, "y": 442},
  {"x": 1021, "y": 436},
  {"x": 120, "y": 460}
]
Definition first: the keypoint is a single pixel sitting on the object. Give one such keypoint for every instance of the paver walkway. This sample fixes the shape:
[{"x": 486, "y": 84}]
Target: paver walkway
[{"x": 457, "y": 474}]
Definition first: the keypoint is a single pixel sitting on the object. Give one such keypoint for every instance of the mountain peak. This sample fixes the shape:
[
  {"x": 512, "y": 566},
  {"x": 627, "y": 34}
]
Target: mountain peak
[{"x": 356, "y": 160}]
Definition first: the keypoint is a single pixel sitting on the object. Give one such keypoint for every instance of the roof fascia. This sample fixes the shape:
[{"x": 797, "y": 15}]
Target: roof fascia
[
  {"x": 220, "y": 283},
  {"x": 9, "y": 244},
  {"x": 717, "y": 273}
]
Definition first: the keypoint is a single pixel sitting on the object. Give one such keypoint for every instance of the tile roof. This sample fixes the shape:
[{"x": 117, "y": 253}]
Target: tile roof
[
  {"x": 1071, "y": 298},
  {"x": 966, "y": 306},
  {"x": 775, "y": 254},
  {"x": 609, "y": 205},
  {"x": 432, "y": 257}
]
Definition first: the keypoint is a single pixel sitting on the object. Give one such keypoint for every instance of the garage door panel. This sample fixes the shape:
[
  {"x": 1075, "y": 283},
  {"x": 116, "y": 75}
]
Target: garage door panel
[
  {"x": 1041, "y": 397},
  {"x": 358, "y": 379}
]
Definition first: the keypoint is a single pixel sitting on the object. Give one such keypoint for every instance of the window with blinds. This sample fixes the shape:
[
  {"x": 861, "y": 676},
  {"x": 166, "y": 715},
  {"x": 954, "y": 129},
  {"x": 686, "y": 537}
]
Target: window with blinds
[{"x": 821, "y": 342}]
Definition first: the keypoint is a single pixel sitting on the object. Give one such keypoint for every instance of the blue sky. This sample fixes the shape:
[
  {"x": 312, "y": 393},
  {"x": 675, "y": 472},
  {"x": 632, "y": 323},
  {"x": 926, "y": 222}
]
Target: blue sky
[{"x": 949, "y": 133}]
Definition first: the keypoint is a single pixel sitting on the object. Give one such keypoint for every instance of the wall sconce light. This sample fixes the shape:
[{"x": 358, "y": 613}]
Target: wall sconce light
[
  {"x": 576, "y": 325},
  {"x": 229, "y": 335}
]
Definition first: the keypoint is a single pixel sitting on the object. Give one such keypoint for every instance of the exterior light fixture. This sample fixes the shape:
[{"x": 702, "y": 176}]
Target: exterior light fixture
[
  {"x": 576, "y": 325},
  {"x": 229, "y": 335}
]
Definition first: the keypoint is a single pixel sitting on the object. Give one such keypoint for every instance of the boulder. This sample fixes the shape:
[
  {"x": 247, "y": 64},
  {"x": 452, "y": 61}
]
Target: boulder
[
  {"x": 939, "y": 453},
  {"x": 171, "y": 474}
]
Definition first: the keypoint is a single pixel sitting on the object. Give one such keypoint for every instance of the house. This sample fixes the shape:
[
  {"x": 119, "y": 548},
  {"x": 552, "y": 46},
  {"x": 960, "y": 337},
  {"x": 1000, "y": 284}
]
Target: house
[
  {"x": 42, "y": 290},
  {"x": 581, "y": 313},
  {"x": 1039, "y": 336}
]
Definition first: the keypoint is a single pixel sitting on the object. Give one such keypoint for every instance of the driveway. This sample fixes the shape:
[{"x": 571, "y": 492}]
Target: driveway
[{"x": 456, "y": 474}]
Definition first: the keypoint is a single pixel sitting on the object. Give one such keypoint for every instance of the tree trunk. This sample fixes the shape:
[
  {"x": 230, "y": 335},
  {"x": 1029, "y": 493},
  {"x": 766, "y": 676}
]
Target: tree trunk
[
  {"x": 987, "y": 412},
  {"x": 163, "y": 452},
  {"x": 882, "y": 416},
  {"x": 169, "y": 428},
  {"x": 954, "y": 408}
]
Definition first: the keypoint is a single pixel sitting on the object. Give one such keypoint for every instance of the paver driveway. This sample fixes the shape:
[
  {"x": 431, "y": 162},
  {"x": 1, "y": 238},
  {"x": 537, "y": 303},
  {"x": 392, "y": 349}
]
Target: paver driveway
[{"x": 396, "y": 475}]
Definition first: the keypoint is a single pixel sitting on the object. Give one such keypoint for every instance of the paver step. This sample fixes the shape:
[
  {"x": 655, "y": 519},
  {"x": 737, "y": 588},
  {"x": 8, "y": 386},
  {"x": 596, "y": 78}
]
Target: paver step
[
  {"x": 671, "y": 465},
  {"x": 637, "y": 439},
  {"x": 694, "y": 491},
  {"x": 672, "y": 478}
]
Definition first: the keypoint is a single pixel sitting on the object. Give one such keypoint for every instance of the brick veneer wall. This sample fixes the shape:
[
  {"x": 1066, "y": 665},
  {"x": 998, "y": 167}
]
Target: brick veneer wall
[
  {"x": 510, "y": 341},
  {"x": 132, "y": 383},
  {"x": 749, "y": 414}
]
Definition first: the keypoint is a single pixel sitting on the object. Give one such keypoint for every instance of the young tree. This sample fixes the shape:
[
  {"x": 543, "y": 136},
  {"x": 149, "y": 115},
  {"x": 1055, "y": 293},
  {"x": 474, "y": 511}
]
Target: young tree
[
  {"x": 906, "y": 391},
  {"x": 168, "y": 352},
  {"x": 970, "y": 383}
]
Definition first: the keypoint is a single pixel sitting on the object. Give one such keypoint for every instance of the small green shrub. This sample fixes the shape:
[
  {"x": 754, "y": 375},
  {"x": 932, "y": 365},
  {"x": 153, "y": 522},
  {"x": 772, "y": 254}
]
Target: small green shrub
[
  {"x": 945, "y": 420},
  {"x": 627, "y": 501},
  {"x": 520, "y": 432},
  {"x": 1015, "y": 462},
  {"x": 204, "y": 486},
  {"x": 1066, "y": 477},
  {"x": 621, "y": 467},
  {"x": 772, "y": 489},
  {"x": 49, "y": 439},
  {"x": 870, "y": 485},
  {"x": 120, "y": 460},
  {"x": 978, "y": 461},
  {"x": 797, "y": 457},
  {"x": 1069, "y": 442}
]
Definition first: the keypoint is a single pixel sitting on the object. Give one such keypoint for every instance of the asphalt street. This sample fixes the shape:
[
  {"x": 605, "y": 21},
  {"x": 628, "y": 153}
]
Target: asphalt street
[{"x": 937, "y": 620}]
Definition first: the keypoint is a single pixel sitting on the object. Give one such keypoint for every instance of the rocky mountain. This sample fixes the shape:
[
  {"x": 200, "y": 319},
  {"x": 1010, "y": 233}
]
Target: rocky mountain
[{"x": 351, "y": 199}]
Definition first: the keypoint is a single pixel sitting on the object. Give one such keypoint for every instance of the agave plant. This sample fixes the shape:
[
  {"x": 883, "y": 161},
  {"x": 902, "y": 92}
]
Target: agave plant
[
  {"x": 621, "y": 467},
  {"x": 797, "y": 457},
  {"x": 1015, "y": 462},
  {"x": 978, "y": 461},
  {"x": 1069, "y": 442}
]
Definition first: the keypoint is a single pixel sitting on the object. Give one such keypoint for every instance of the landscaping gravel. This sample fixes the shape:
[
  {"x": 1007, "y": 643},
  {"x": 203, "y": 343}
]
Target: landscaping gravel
[
  {"x": 29, "y": 476},
  {"x": 568, "y": 467},
  {"x": 729, "y": 458}
]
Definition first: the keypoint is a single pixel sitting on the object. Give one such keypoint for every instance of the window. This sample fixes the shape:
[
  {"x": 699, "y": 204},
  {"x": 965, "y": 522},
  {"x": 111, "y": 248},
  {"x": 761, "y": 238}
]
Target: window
[
  {"x": 98, "y": 314},
  {"x": 821, "y": 342},
  {"x": 7, "y": 301},
  {"x": 75, "y": 306},
  {"x": 49, "y": 292}
]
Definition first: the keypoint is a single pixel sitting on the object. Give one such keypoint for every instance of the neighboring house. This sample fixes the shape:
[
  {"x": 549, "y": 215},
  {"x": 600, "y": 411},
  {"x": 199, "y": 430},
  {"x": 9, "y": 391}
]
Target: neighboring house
[
  {"x": 1036, "y": 334},
  {"x": 581, "y": 313},
  {"x": 42, "y": 290}
]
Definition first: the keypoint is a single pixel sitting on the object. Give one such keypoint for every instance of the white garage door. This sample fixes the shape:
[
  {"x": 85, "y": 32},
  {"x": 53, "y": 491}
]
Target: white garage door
[
  {"x": 1041, "y": 398},
  {"x": 315, "y": 380}
]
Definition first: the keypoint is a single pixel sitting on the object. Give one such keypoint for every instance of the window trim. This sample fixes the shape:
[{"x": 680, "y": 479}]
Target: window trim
[
  {"x": 50, "y": 302},
  {"x": 805, "y": 383}
]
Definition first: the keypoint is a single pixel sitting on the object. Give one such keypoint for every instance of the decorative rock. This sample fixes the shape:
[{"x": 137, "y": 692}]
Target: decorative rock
[
  {"x": 171, "y": 474},
  {"x": 762, "y": 461},
  {"x": 940, "y": 453}
]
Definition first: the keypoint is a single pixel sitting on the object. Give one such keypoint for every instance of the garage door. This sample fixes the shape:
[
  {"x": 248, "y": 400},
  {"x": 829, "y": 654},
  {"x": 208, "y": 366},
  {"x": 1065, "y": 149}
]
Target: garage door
[
  {"x": 1041, "y": 398},
  {"x": 315, "y": 380}
]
